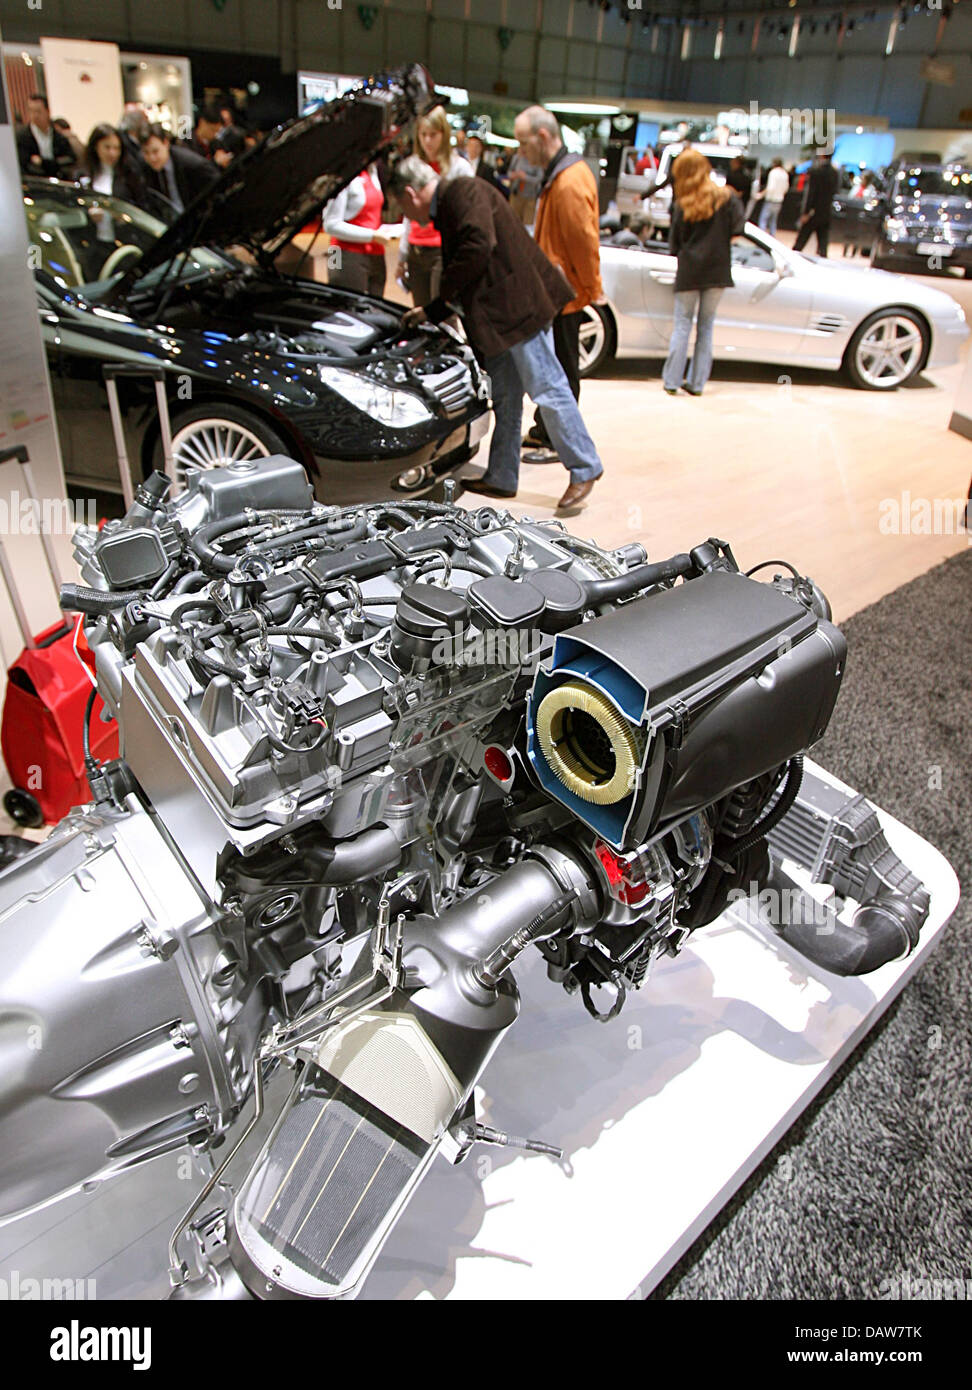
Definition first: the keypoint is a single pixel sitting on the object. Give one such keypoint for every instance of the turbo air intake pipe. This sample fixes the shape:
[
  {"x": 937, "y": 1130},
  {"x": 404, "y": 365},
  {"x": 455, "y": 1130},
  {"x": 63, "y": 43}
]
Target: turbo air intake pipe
[
  {"x": 387, "y": 1082},
  {"x": 882, "y": 930}
]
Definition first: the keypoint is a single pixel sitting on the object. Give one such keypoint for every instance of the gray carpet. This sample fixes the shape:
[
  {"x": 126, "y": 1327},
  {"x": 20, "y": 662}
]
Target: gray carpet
[{"x": 874, "y": 1183}]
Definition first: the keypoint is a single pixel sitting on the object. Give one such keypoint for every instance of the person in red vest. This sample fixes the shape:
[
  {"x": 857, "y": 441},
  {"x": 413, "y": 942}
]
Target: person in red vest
[
  {"x": 356, "y": 256},
  {"x": 420, "y": 249}
]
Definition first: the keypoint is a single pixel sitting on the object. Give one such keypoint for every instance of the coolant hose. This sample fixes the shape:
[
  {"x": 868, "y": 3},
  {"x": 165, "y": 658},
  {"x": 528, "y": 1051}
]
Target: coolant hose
[
  {"x": 641, "y": 577},
  {"x": 202, "y": 546},
  {"x": 94, "y": 603}
]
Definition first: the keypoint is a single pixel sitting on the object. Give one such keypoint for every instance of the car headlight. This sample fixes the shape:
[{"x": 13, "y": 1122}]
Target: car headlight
[
  {"x": 895, "y": 228},
  {"x": 387, "y": 404}
]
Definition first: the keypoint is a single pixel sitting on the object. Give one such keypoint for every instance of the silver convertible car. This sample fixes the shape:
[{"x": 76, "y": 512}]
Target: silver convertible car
[{"x": 785, "y": 307}]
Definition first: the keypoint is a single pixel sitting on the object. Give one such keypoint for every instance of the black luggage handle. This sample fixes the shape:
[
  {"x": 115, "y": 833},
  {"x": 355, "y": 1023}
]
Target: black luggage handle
[{"x": 18, "y": 454}]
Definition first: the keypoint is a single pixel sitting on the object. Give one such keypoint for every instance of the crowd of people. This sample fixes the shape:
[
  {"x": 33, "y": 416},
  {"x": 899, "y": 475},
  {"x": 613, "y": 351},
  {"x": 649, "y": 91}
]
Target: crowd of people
[
  {"x": 136, "y": 160},
  {"x": 510, "y": 238},
  {"x": 465, "y": 243}
]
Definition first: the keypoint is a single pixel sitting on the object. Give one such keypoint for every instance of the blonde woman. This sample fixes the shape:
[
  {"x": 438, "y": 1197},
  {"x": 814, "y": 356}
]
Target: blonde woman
[
  {"x": 705, "y": 219},
  {"x": 420, "y": 249}
]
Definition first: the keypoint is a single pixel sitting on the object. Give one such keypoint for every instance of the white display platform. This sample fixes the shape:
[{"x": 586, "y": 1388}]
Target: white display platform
[{"x": 662, "y": 1114}]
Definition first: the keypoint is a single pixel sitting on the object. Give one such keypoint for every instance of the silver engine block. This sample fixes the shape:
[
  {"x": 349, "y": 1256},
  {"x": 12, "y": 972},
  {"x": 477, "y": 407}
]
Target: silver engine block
[{"x": 369, "y": 756}]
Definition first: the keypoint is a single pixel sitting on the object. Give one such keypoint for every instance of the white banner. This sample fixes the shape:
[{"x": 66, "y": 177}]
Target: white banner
[{"x": 84, "y": 83}]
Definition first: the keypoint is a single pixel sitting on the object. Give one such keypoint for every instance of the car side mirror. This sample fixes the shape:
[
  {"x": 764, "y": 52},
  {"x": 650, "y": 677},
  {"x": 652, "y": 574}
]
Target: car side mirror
[{"x": 783, "y": 268}]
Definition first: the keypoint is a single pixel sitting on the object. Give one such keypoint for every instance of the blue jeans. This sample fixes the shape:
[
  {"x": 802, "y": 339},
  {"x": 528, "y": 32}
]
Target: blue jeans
[
  {"x": 532, "y": 367},
  {"x": 769, "y": 215},
  {"x": 686, "y": 303}
]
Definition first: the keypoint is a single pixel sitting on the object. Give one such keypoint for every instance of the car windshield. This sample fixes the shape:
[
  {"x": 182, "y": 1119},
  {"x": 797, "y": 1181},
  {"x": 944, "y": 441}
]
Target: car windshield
[
  {"x": 938, "y": 182},
  {"x": 86, "y": 239},
  {"x": 719, "y": 164}
]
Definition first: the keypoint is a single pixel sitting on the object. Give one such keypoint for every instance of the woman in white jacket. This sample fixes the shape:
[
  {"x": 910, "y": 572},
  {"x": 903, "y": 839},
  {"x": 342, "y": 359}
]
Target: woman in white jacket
[
  {"x": 356, "y": 256},
  {"x": 777, "y": 187}
]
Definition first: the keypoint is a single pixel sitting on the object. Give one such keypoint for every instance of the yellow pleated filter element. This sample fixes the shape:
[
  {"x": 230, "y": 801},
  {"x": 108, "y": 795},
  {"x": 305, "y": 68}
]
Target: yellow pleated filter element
[{"x": 587, "y": 744}]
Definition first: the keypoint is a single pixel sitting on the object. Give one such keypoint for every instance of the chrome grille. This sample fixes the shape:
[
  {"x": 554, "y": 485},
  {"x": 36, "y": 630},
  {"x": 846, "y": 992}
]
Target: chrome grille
[
  {"x": 937, "y": 231},
  {"x": 449, "y": 381}
]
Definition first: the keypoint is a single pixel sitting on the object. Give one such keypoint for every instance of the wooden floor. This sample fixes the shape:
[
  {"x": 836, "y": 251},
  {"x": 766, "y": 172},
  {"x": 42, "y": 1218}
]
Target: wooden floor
[{"x": 793, "y": 469}]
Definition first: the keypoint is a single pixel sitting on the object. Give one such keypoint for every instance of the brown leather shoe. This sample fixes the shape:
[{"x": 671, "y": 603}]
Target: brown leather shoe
[
  {"x": 485, "y": 489},
  {"x": 576, "y": 494}
]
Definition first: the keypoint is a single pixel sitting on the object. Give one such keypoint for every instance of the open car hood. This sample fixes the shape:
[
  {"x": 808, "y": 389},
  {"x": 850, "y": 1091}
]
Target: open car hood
[{"x": 270, "y": 192}]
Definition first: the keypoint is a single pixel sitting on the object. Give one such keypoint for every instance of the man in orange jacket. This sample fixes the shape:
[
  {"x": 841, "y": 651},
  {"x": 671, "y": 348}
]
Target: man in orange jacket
[{"x": 566, "y": 230}]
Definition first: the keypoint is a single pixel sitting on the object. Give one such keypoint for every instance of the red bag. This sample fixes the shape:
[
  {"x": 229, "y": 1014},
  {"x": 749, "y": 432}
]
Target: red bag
[{"x": 43, "y": 713}]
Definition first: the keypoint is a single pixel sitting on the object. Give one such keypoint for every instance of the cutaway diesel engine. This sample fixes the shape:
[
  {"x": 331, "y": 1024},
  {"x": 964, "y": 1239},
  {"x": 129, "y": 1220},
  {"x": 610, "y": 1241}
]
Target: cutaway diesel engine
[{"x": 369, "y": 757}]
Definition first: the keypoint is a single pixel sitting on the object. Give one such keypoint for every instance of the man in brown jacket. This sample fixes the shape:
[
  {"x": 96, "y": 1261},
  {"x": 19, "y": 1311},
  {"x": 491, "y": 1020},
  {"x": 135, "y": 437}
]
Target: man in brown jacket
[
  {"x": 567, "y": 232},
  {"x": 509, "y": 294}
]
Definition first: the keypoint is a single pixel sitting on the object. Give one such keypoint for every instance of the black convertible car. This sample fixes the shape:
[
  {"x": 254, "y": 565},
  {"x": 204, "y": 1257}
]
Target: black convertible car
[
  {"x": 919, "y": 219},
  {"x": 257, "y": 362}
]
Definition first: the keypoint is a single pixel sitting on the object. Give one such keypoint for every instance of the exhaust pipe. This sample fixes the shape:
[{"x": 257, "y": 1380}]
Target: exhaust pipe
[{"x": 384, "y": 1086}]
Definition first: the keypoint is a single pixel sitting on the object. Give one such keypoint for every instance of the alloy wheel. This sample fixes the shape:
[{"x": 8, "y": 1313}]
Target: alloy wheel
[
  {"x": 592, "y": 338},
  {"x": 213, "y": 443},
  {"x": 889, "y": 351}
]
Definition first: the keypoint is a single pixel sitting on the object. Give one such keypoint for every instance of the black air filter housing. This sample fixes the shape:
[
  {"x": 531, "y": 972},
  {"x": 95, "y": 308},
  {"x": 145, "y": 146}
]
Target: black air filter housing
[{"x": 688, "y": 693}]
